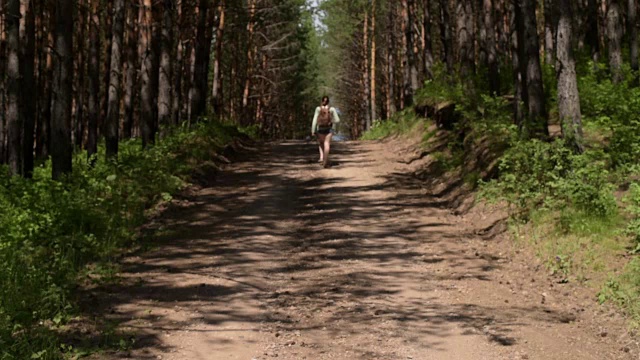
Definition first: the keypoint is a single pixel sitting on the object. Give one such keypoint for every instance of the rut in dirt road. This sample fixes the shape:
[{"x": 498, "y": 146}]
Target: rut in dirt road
[{"x": 281, "y": 259}]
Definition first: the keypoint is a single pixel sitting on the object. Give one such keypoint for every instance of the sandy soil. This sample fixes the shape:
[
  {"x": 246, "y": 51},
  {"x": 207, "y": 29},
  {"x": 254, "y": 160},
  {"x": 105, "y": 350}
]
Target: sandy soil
[{"x": 278, "y": 258}]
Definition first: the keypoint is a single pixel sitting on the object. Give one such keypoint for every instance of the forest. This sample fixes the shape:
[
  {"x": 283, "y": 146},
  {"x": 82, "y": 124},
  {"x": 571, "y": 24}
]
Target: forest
[{"x": 108, "y": 107}]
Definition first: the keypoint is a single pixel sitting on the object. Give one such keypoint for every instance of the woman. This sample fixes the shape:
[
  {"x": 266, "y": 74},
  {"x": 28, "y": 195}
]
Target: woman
[{"x": 322, "y": 128}]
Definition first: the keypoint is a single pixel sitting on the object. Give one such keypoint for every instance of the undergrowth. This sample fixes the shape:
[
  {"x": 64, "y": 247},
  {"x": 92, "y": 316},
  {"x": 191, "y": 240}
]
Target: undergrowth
[
  {"x": 52, "y": 230},
  {"x": 580, "y": 213}
]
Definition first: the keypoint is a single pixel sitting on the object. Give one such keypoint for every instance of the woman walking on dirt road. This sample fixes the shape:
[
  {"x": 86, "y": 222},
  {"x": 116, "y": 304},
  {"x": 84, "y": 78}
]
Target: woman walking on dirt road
[{"x": 322, "y": 128}]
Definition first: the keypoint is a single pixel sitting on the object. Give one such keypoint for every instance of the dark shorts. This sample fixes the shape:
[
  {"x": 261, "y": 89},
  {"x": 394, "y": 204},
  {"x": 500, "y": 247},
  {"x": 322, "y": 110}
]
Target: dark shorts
[{"x": 326, "y": 131}]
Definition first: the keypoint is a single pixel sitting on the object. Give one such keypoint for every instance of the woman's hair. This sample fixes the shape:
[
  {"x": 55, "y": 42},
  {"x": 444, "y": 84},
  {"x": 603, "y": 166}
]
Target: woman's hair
[{"x": 325, "y": 100}]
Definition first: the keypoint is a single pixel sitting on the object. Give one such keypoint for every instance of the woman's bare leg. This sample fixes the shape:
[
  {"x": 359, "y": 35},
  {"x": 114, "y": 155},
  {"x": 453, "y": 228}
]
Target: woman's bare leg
[
  {"x": 327, "y": 149},
  {"x": 321, "y": 140}
]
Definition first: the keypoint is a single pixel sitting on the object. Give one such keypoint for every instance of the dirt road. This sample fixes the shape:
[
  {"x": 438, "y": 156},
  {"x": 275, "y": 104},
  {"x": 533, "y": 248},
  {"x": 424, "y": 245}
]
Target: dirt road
[{"x": 279, "y": 258}]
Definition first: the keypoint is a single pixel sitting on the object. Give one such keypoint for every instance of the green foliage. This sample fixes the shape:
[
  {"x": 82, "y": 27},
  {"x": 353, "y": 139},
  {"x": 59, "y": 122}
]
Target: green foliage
[
  {"x": 633, "y": 201},
  {"x": 51, "y": 230},
  {"x": 536, "y": 174},
  {"x": 401, "y": 123},
  {"x": 613, "y": 109},
  {"x": 624, "y": 290}
]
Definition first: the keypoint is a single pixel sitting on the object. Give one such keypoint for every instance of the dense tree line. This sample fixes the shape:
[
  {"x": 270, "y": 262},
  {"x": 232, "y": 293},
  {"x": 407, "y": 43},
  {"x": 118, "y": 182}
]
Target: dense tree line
[
  {"x": 74, "y": 72},
  {"x": 386, "y": 49}
]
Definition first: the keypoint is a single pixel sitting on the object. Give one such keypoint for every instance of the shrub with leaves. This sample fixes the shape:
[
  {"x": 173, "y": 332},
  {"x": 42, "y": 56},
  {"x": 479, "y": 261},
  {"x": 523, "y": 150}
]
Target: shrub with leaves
[{"x": 51, "y": 230}]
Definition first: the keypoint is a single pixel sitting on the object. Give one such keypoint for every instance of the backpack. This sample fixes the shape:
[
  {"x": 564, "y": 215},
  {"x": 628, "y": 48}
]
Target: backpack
[{"x": 324, "y": 118}]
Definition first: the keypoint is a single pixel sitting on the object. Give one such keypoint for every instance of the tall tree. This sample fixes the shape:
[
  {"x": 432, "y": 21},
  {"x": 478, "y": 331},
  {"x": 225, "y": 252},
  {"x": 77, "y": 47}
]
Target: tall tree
[
  {"x": 465, "y": 39},
  {"x": 445, "y": 35},
  {"x": 536, "y": 125},
  {"x": 490, "y": 46},
  {"x": 568, "y": 96},
  {"x": 614, "y": 39},
  {"x": 147, "y": 111},
  {"x": 427, "y": 56},
  {"x": 550, "y": 24},
  {"x": 166, "y": 64},
  {"x": 372, "y": 76},
  {"x": 198, "y": 97},
  {"x": 28, "y": 88},
  {"x": 13, "y": 118},
  {"x": 113, "y": 112},
  {"x": 216, "y": 88},
  {"x": 592, "y": 35},
  {"x": 131, "y": 72},
  {"x": 61, "y": 148},
  {"x": 93, "y": 105},
  {"x": 411, "y": 80},
  {"x": 632, "y": 23}
]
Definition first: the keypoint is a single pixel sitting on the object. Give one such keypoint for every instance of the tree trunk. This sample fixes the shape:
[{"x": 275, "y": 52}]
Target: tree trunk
[
  {"x": 28, "y": 89},
  {"x": 3, "y": 60},
  {"x": 131, "y": 74},
  {"x": 61, "y": 149},
  {"x": 568, "y": 96},
  {"x": 147, "y": 112},
  {"x": 614, "y": 39},
  {"x": 13, "y": 116},
  {"x": 166, "y": 65},
  {"x": 391, "y": 64},
  {"x": 216, "y": 87},
  {"x": 411, "y": 84},
  {"x": 592, "y": 35},
  {"x": 79, "y": 86},
  {"x": 428, "y": 43},
  {"x": 490, "y": 46},
  {"x": 633, "y": 37},
  {"x": 536, "y": 125},
  {"x": 372, "y": 77},
  {"x": 550, "y": 20},
  {"x": 465, "y": 39},
  {"x": 445, "y": 34},
  {"x": 43, "y": 136},
  {"x": 198, "y": 98},
  {"x": 516, "y": 44},
  {"x": 93, "y": 106},
  {"x": 112, "y": 125},
  {"x": 366, "y": 119}
]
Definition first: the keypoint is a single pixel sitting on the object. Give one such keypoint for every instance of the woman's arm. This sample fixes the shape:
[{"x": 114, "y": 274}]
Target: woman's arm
[
  {"x": 315, "y": 121},
  {"x": 335, "y": 117}
]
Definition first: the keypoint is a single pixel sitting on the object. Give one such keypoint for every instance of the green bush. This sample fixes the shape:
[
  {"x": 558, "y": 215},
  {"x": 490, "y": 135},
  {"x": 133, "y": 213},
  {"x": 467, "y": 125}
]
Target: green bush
[
  {"x": 537, "y": 174},
  {"x": 51, "y": 230}
]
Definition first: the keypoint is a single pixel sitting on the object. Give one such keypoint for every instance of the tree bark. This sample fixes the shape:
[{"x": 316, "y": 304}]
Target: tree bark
[
  {"x": 550, "y": 23},
  {"x": 28, "y": 89},
  {"x": 516, "y": 44},
  {"x": 427, "y": 39},
  {"x": 568, "y": 96},
  {"x": 366, "y": 119},
  {"x": 411, "y": 84},
  {"x": 131, "y": 74},
  {"x": 216, "y": 92},
  {"x": 592, "y": 35},
  {"x": 93, "y": 105},
  {"x": 632, "y": 10},
  {"x": 465, "y": 39},
  {"x": 445, "y": 34},
  {"x": 147, "y": 111},
  {"x": 198, "y": 97},
  {"x": 61, "y": 148},
  {"x": 166, "y": 65},
  {"x": 614, "y": 40},
  {"x": 536, "y": 125},
  {"x": 372, "y": 77},
  {"x": 112, "y": 125},
  {"x": 490, "y": 46},
  {"x": 3, "y": 60},
  {"x": 391, "y": 64},
  {"x": 13, "y": 116}
]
